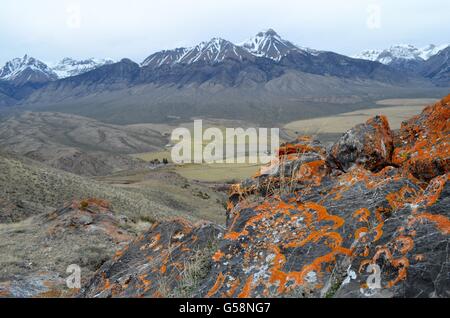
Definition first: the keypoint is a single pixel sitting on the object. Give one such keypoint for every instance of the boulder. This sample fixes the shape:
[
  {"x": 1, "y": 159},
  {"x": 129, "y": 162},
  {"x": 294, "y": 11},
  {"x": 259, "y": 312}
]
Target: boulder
[
  {"x": 169, "y": 260},
  {"x": 369, "y": 145}
]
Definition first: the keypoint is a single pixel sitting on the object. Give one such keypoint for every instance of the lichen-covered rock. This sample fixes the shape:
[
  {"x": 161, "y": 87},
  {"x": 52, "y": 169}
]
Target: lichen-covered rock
[
  {"x": 169, "y": 260},
  {"x": 290, "y": 245},
  {"x": 369, "y": 145},
  {"x": 412, "y": 254},
  {"x": 423, "y": 142},
  {"x": 355, "y": 221},
  {"x": 91, "y": 216},
  {"x": 39, "y": 285},
  {"x": 298, "y": 164}
]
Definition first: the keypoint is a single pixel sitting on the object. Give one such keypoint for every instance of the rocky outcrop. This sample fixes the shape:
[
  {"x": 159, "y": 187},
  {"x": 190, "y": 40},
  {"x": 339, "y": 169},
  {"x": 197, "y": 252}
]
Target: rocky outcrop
[
  {"x": 37, "y": 253},
  {"x": 368, "y": 218},
  {"x": 171, "y": 259}
]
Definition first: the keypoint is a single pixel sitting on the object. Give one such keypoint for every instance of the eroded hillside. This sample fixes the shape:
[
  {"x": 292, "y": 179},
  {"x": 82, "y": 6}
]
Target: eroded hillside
[{"x": 77, "y": 144}]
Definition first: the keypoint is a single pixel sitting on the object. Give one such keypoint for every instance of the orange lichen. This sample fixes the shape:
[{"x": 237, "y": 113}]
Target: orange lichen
[
  {"x": 322, "y": 214},
  {"x": 218, "y": 256},
  {"x": 313, "y": 171},
  {"x": 441, "y": 221},
  {"x": 145, "y": 281},
  {"x": 119, "y": 253},
  {"x": 92, "y": 202},
  {"x": 401, "y": 264},
  {"x": 404, "y": 244},
  {"x": 379, "y": 227},
  {"x": 359, "y": 233},
  {"x": 219, "y": 282},
  {"x": 397, "y": 200},
  {"x": 107, "y": 284},
  {"x": 363, "y": 215},
  {"x": 247, "y": 288},
  {"x": 435, "y": 189},
  {"x": 234, "y": 286}
]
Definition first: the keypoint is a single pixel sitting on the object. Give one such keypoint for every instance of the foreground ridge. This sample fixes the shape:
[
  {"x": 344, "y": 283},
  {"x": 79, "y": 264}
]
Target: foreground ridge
[{"x": 315, "y": 223}]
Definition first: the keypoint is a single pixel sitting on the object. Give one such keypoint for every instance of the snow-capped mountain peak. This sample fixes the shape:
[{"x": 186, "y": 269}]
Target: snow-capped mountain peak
[
  {"x": 26, "y": 69},
  {"x": 70, "y": 67},
  {"x": 214, "y": 51},
  {"x": 269, "y": 44},
  {"x": 165, "y": 57},
  {"x": 370, "y": 55}
]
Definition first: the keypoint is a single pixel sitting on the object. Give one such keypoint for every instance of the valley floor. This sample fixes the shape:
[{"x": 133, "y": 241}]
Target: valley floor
[{"x": 397, "y": 110}]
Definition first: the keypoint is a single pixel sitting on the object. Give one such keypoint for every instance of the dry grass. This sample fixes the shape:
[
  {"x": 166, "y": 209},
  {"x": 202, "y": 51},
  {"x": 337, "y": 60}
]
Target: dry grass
[
  {"x": 217, "y": 172},
  {"x": 194, "y": 271},
  {"x": 155, "y": 198}
]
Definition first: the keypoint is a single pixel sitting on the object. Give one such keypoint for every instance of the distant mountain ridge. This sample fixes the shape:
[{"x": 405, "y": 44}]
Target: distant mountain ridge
[
  {"x": 401, "y": 51},
  {"x": 68, "y": 67},
  {"x": 20, "y": 71},
  {"x": 415, "y": 60}
]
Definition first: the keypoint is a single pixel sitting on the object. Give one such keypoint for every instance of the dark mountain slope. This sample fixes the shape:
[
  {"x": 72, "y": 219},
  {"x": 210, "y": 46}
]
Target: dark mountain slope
[
  {"x": 437, "y": 68},
  {"x": 329, "y": 63}
]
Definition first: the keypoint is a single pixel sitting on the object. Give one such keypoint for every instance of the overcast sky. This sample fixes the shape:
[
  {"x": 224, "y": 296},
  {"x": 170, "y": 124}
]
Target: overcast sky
[{"x": 52, "y": 29}]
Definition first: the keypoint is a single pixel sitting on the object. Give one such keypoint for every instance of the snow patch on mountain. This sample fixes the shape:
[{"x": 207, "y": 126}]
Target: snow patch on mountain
[
  {"x": 270, "y": 45},
  {"x": 68, "y": 67},
  {"x": 168, "y": 57},
  {"x": 431, "y": 50},
  {"x": 214, "y": 51},
  {"x": 25, "y": 69}
]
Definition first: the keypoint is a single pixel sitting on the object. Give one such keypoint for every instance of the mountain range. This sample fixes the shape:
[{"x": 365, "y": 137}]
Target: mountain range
[
  {"x": 266, "y": 44},
  {"x": 27, "y": 69},
  {"x": 430, "y": 61},
  {"x": 221, "y": 79},
  {"x": 401, "y": 52}
]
